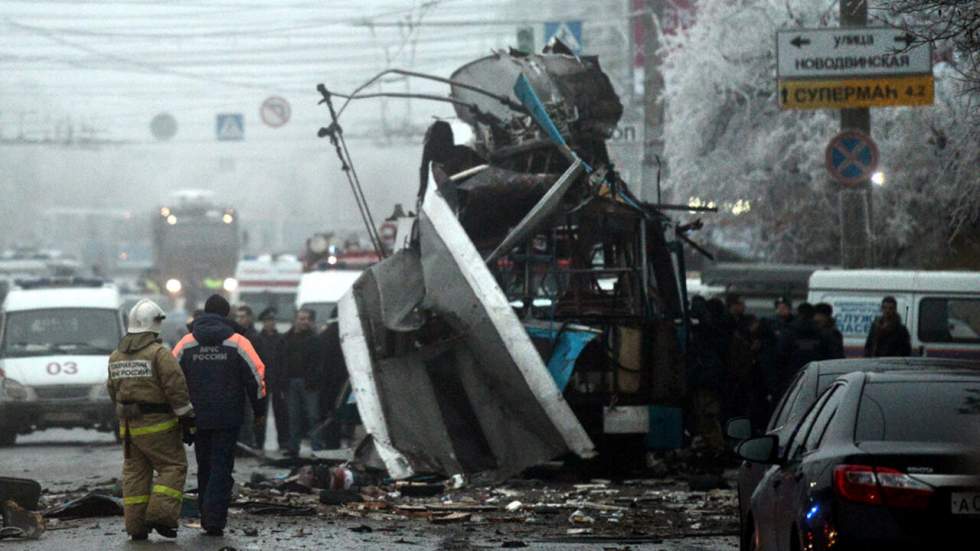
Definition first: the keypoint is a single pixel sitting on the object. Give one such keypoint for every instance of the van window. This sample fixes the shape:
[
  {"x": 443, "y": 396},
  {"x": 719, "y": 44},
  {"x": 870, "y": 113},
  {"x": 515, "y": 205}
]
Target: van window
[
  {"x": 949, "y": 320},
  {"x": 80, "y": 331}
]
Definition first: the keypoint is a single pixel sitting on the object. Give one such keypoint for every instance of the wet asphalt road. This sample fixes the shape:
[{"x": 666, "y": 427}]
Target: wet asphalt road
[{"x": 66, "y": 460}]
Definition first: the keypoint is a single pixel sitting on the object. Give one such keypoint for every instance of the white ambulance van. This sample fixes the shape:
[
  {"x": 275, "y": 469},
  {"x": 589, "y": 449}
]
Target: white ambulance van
[
  {"x": 56, "y": 335},
  {"x": 268, "y": 282},
  {"x": 940, "y": 309},
  {"x": 320, "y": 292}
]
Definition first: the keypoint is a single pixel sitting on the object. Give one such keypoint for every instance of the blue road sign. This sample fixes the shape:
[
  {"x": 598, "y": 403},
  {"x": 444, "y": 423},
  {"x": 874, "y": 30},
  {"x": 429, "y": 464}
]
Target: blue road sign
[
  {"x": 229, "y": 127},
  {"x": 569, "y": 32},
  {"x": 852, "y": 157}
]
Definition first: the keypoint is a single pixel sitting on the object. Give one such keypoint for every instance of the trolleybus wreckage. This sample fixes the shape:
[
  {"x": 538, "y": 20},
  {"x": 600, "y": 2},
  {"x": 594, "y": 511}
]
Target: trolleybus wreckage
[{"x": 536, "y": 307}]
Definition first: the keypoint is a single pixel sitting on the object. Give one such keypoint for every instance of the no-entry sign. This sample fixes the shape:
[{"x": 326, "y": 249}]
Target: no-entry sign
[
  {"x": 275, "y": 111},
  {"x": 852, "y": 157}
]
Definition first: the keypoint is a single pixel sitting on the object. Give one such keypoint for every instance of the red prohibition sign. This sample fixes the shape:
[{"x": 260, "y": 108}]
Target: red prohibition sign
[
  {"x": 851, "y": 156},
  {"x": 275, "y": 111}
]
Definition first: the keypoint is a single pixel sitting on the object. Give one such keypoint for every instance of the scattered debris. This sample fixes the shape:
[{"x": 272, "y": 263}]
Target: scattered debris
[
  {"x": 420, "y": 490},
  {"x": 579, "y": 517},
  {"x": 340, "y": 497},
  {"x": 514, "y": 506},
  {"x": 270, "y": 508},
  {"x": 362, "y": 529},
  {"x": 456, "y": 482},
  {"x": 18, "y": 522},
  {"x": 451, "y": 518},
  {"x": 23, "y": 491},
  {"x": 90, "y": 505}
]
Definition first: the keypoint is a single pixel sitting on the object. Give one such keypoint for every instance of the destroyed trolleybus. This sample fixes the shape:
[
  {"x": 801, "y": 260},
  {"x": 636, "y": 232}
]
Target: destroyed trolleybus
[{"x": 538, "y": 307}]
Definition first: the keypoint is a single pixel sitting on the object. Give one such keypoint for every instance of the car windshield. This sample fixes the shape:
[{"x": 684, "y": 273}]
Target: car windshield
[
  {"x": 60, "y": 331},
  {"x": 917, "y": 411}
]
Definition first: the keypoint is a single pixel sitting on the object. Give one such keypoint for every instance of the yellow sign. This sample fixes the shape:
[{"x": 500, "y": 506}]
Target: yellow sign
[{"x": 856, "y": 92}]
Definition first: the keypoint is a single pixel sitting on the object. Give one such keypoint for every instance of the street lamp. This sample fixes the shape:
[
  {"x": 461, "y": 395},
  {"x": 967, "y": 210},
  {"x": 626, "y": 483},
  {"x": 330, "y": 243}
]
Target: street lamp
[{"x": 878, "y": 178}]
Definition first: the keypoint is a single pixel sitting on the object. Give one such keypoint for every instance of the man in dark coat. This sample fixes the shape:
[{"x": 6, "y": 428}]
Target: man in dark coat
[
  {"x": 333, "y": 383},
  {"x": 252, "y": 435},
  {"x": 707, "y": 374},
  {"x": 799, "y": 344},
  {"x": 824, "y": 317},
  {"x": 222, "y": 369},
  {"x": 271, "y": 346},
  {"x": 765, "y": 372},
  {"x": 888, "y": 336},
  {"x": 303, "y": 371}
]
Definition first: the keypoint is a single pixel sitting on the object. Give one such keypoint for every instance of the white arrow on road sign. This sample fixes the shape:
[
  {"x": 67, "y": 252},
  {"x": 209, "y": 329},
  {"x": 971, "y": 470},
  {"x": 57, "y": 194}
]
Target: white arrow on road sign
[{"x": 849, "y": 52}]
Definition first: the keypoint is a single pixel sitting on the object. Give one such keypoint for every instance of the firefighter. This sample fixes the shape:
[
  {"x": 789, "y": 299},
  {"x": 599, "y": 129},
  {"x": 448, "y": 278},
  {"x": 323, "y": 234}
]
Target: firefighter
[
  {"x": 221, "y": 367},
  {"x": 155, "y": 414}
]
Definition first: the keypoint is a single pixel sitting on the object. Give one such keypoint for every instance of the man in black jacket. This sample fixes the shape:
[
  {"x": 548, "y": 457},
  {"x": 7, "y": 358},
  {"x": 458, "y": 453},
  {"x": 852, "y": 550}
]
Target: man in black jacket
[
  {"x": 304, "y": 360},
  {"x": 824, "y": 318},
  {"x": 800, "y": 343},
  {"x": 271, "y": 346},
  {"x": 252, "y": 434},
  {"x": 333, "y": 385},
  {"x": 888, "y": 336},
  {"x": 221, "y": 368}
]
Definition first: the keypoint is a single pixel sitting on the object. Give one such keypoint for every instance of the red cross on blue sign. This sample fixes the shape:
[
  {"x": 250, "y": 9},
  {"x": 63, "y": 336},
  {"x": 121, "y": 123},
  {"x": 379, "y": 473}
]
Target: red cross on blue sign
[{"x": 852, "y": 157}]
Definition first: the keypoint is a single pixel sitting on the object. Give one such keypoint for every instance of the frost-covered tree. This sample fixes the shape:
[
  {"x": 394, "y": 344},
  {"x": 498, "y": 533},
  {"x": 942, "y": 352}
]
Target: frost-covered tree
[
  {"x": 952, "y": 25},
  {"x": 727, "y": 142}
]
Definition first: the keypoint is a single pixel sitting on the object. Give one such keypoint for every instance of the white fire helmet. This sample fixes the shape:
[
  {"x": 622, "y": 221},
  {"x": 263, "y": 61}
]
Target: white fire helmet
[{"x": 145, "y": 317}]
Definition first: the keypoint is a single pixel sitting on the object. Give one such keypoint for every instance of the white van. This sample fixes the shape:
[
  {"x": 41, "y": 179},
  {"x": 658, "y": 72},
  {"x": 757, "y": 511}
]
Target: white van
[
  {"x": 56, "y": 335},
  {"x": 320, "y": 292},
  {"x": 267, "y": 282},
  {"x": 940, "y": 309}
]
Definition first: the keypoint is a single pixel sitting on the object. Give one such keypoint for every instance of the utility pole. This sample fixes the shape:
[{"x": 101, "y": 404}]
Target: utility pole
[
  {"x": 855, "y": 202},
  {"x": 653, "y": 107}
]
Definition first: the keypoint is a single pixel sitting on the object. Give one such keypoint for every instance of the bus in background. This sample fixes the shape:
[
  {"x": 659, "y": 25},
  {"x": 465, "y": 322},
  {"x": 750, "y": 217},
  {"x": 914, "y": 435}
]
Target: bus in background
[
  {"x": 940, "y": 309},
  {"x": 195, "y": 246},
  {"x": 268, "y": 281}
]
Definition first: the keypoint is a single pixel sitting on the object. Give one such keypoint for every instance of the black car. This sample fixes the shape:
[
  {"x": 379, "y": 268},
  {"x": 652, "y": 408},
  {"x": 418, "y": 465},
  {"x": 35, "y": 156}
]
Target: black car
[
  {"x": 882, "y": 460},
  {"x": 809, "y": 383}
]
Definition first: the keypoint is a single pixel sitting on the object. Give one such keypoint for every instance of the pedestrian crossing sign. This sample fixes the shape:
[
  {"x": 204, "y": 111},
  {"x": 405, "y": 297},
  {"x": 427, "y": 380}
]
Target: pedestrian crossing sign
[{"x": 230, "y": 127}]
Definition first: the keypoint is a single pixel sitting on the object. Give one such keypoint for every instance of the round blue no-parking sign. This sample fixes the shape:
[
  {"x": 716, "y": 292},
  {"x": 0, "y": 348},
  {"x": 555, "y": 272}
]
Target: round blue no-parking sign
[{"x": 852, "y": 157}]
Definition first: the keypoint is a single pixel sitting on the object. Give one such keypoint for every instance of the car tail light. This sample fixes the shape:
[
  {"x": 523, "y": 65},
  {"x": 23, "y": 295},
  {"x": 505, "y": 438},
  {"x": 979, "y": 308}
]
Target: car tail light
[{"x": 881, "y": 486}]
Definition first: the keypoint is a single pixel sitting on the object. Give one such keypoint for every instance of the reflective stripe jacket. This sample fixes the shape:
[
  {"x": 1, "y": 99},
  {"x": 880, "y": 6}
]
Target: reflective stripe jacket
[
  {"x": 221, "y": 368},
  {"x": 141, "y": 370}
]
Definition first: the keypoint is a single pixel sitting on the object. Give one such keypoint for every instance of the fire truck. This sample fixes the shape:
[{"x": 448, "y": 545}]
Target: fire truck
[{"x": 195, "y": 246}]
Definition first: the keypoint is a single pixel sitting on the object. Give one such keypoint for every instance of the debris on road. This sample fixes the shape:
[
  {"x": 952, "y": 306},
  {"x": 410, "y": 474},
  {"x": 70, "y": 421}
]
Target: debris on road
[
  {"x": 18, "y": 522},
  {"x": 273, "y": 508},
  {"x": 23, "y": 491},
  {"x": 93, "y": 504},
  {"x": 450, "y": 518}
]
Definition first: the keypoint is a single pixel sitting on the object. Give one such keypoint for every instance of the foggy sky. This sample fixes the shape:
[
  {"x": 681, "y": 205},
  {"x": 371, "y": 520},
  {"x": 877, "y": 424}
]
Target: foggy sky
[{"x": 105, "y": 69}]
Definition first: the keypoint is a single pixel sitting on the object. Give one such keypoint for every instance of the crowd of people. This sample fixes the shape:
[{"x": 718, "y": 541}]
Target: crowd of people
[
  {"x": 741, "y": 364},
  {"x": 305, "y": 375}
]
